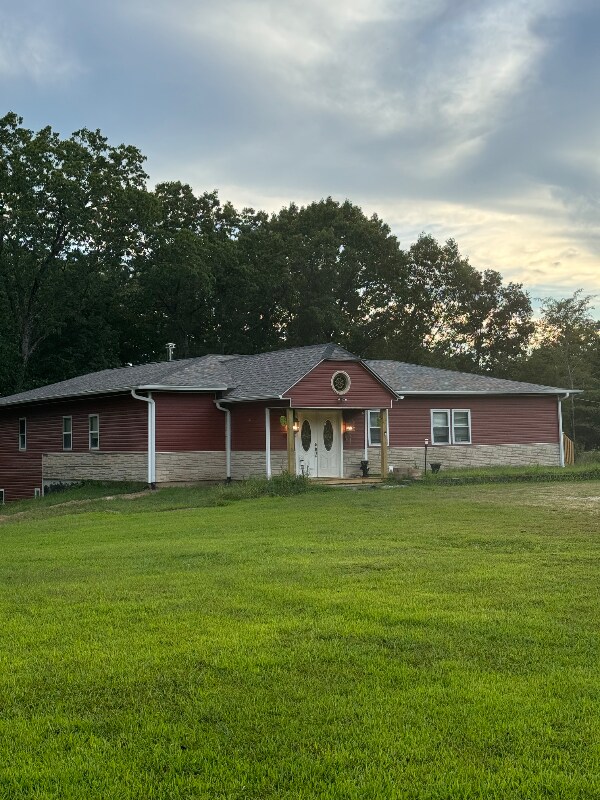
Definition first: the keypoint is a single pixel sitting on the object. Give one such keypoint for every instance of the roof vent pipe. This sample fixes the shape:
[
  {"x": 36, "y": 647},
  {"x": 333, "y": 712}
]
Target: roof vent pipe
[{"x": 170, "y": 347}]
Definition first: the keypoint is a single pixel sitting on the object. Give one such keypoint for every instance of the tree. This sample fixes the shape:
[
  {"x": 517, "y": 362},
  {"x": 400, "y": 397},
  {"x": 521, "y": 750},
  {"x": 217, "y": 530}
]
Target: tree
[
  {"x": 493, "y": 328},
  {"x": 434, "y": 308},
  {"x": 331, "y": 250},
  {"x": 566, "y": 354},
  {"x": 70, "y": 210}
]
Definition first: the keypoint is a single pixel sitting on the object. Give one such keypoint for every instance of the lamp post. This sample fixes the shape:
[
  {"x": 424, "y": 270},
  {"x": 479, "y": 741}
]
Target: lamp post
[{"x": 426, "y": 445}]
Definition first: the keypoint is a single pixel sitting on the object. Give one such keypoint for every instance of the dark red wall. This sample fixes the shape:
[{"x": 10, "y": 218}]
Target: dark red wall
[
  {"x": 188, "y": 421},
  {"x": 494, "y": 420},
  {"x": 315, "y": 390},
  {"x": 248, "y": 427},
  {"x": 123, "y": 427}
]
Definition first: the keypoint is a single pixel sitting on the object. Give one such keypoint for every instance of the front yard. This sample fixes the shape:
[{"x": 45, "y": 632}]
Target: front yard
[{"x": 421, "y": 642}]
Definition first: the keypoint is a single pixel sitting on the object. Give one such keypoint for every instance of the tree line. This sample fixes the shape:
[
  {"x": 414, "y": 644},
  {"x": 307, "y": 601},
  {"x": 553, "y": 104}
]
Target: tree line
[{"x": 98, "y": 270}]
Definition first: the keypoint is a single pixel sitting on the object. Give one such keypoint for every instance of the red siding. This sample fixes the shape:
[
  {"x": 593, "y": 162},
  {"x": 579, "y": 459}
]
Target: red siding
[
  {"x": 278, "y": 432},
  {"x": 494, "y": 420},
  {"x": 188, "y": 421},
  {"x": 314, "y": 390},
  {"x": 123, "y": 428},
  {"x": 248, "y": 427}
]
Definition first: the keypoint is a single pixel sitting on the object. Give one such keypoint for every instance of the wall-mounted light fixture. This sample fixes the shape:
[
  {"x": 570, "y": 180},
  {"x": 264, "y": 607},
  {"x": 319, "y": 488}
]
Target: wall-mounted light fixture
[
  {"x": 347, "y": 427},
  {"x": 283, "y": 423}
]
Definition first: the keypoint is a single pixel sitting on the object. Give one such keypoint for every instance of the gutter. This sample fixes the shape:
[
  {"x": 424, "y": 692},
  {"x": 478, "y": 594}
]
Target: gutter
[
  {"x": 560, "y": 427},
  {"x": 227, "y": 438},
  {"x": 151, "y": 436},
  {"x": 102, "y": 392}
]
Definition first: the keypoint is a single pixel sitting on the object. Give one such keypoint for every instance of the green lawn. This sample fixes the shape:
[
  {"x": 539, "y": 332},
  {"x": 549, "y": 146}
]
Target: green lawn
[{"x": 421, "y": 642}]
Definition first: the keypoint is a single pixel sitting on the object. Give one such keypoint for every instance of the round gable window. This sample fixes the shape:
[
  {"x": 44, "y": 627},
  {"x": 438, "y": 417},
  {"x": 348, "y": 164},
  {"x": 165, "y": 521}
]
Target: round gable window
[{"x": 340, "y": 382}]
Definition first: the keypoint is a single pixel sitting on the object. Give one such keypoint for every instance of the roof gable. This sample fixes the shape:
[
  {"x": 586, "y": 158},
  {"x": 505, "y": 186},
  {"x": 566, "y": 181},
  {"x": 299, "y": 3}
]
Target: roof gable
[{"x": 269, "y": 375}]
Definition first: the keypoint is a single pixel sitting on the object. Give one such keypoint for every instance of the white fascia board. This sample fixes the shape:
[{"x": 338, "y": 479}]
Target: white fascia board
[
  {"x": 488, "y": 392},
  {"x": 303, "y": 376},
  {"x": 161, "y": 388},
  {"x": 54, "y": 397},
  {"x": 374, "y": 374},
  {"x": 255, "y": 398},
  {"x": 101, "y": 392},
  {"x": 380, "y": 380}
]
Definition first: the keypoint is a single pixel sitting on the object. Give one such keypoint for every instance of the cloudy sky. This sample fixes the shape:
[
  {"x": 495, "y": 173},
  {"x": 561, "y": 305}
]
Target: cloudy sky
[{"x": 476, "y": 119}]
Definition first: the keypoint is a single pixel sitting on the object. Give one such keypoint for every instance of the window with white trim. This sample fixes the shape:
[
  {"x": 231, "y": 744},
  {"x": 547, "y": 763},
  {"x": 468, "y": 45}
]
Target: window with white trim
[
  {"x": 94, "y": 431},
  {"x": 1, "y": 497},
  {"x": 67, "y": 433},
  {"x": 23, "y": 433},
  {"x": 450, "y": 426},
  {"x": 37, "y": 492},
  {"x": 461, "y": 426},
  {"x": 374, "y": 425}
]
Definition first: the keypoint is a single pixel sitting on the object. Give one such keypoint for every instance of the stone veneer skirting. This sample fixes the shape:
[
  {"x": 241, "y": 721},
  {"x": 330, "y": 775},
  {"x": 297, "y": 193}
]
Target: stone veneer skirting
[
  {"x": 65, "y": 467},
  {"x": 456, "y": 456},
  {"x": 188, "y": 467},
  {"x": 247, "y": 463},
  {"x": 196, "y": 465}
]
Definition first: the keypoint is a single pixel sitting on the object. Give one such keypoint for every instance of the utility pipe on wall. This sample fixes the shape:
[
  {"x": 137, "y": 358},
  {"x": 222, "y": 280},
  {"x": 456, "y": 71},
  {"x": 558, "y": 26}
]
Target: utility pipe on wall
[
  {"x": 560, "y": 428},
  {"x": 151, "y": 435},
  {"x": 227, "y": 439}
]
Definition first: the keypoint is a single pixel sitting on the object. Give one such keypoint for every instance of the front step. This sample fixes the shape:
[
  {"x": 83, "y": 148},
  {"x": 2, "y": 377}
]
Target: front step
[{"x": 346, "y": 481}]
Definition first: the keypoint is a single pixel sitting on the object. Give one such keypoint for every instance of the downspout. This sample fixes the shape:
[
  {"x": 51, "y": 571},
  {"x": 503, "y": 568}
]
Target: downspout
[
  {"x": 227, "y": 439},
  {"x": 560, "y": 428},
  {"x": 151, "y": 435},
  {"x": 268, "y": 442}
]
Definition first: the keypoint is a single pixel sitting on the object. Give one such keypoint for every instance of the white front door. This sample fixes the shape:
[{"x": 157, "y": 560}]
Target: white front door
[{"x": 319, "y": 444}]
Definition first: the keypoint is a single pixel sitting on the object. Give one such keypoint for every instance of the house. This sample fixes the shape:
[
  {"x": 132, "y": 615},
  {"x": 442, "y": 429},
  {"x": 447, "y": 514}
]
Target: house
[{"x": 317, "y": 410}]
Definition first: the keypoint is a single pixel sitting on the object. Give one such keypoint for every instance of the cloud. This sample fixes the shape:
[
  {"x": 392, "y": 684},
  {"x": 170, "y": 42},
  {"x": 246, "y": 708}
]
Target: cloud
[
  {"x": 34, "y": 52},
  {"x": 467, "y": 118}
]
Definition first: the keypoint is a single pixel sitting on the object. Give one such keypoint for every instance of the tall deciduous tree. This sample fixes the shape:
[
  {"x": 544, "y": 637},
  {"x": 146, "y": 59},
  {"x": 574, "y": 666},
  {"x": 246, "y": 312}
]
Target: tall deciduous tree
[
  {"x": 566, "y": 353},
  {"x": 434, "y": 308},
  {"x": 330, "y": 252},
  {"x": 70, "y": 210}
]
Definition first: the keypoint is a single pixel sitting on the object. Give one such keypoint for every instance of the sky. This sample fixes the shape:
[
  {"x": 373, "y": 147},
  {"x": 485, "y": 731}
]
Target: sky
[{"x": 472, "y": 119}]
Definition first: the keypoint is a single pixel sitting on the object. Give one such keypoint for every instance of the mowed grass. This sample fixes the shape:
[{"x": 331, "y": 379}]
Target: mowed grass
[{"x": 425, "y": 642}]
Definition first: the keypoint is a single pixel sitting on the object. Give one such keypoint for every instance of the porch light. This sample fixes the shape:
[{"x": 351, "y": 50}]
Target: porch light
[
  {"x": 296, "y": 426},
  {"x": 348, "y": 428}
]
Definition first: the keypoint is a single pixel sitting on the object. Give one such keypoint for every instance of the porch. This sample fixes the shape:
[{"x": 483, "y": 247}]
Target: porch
[{"x": 327, "y": 444}]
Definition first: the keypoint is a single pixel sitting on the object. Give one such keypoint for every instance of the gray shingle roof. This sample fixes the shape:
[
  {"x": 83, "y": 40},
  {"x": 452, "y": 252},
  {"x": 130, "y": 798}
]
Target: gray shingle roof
[
  {"x": 412, "y": 379},
  {"x": 267, "y": 376},
  {"x": 207, "y": 372}
]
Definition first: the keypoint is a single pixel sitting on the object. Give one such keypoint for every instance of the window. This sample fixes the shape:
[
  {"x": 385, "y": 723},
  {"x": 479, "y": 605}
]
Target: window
[
  {"x": 22, "y": 434},
  {"x": 94, "y": 430},
  {"x": 374, "y": 418},
  {"x": 440, "y": 427},
  {"x": 67, "y": 433},
  {"x": 340, "y": 382},
  {"x": 37, "y": 492},
  {"x": 1, "y": 497},
  {"x": 450, "y": 426},
  {"x": 461, "y": 426},
  {"x": 374, "y": 428}
]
